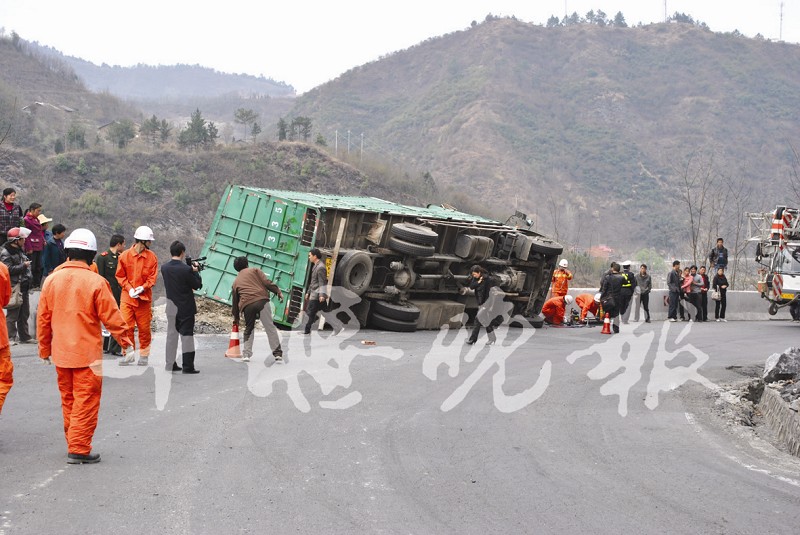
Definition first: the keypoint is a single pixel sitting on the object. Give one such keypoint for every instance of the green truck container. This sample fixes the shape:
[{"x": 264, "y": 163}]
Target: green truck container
[{"x": 405, "y": 265}]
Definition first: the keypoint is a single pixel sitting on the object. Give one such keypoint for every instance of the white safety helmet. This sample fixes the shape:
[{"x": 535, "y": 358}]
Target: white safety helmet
[
  {"x": 563, "y": 263},
  {"x": 17, "y": 233},
  {"x": 568, "y": 299},
  {"x": 144, "y": 233},
  {"x": 597, "y": 297},
  {"x": 81, "y": 238}
]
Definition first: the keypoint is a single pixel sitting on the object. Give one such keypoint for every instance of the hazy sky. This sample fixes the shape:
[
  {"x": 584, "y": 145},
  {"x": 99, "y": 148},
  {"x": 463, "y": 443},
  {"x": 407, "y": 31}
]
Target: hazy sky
[{"x": 306, "y": 43}]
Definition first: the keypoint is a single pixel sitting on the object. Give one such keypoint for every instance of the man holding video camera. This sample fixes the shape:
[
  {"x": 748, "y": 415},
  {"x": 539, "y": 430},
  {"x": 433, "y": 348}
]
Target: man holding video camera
[{"x": 181, "y": 277}]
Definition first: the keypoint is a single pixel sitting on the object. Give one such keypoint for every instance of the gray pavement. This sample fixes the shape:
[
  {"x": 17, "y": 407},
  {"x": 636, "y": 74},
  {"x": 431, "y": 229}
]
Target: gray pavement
[{"x": 561, "y": 430}]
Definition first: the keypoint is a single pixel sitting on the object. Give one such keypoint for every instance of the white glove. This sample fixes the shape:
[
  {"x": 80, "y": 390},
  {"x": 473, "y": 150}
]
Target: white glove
[
  {"x": 139, "y": 289},
  {"x": 48, "y": 361},
  {"x": 128, "y": 355},
  {"x": 132, "y": 293}
]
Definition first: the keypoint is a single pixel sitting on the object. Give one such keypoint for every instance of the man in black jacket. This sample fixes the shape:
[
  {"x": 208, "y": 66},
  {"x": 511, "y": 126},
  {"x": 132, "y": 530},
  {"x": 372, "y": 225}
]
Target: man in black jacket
[
  {"x": 106, "y": 263},
  {"x": 674, "y": 282},
  {"x": 180, "y": 281},
  {"x": 610, "y": 294}
]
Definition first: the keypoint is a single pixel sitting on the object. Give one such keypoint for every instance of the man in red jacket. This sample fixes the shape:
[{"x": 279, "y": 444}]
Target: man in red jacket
[
  {"x": 554, "y": 309},
  {"x": 6, "y": 367},
  {"x": 74, "y": 303}
]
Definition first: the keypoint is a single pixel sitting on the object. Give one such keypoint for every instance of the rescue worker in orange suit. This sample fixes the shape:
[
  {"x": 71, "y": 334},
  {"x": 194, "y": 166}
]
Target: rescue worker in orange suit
[
  {"x": 6, "y": 367},
  {"x": 561, "y": 278},
  {"x": 73, "y": 304},
  {"x": 588, "y": 303},
  {"x": 554, "y": 309},
  {"x": 137, "y": 270}
]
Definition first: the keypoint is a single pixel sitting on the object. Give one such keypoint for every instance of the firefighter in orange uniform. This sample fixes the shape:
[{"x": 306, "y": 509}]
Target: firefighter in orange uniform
[
  {"x": 137, "y": 270},
  {"x": 73, "y": 304},
  {"x": 554, "y": 309},
  {"x": 588, "y": 303},
  {"x": 6, "y": 367},
  {"x": 561, "y": 278}
]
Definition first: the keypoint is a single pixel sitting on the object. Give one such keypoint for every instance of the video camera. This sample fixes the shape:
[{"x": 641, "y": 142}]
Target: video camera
[{"x": 199, "y": 262}]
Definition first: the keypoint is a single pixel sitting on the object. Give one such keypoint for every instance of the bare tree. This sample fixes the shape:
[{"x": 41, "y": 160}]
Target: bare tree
[{"x": 697, "y": 180}]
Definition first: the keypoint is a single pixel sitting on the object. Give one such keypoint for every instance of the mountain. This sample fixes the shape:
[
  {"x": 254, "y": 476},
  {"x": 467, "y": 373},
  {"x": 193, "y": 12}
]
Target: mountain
[
  {"x": 147, "y": 82},
  {"x": 594, "y": 131}
]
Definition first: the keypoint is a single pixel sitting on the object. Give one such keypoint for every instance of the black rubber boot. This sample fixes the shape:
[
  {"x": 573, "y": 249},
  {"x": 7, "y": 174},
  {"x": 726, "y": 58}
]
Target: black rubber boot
[{"x": 188, "y": 363}]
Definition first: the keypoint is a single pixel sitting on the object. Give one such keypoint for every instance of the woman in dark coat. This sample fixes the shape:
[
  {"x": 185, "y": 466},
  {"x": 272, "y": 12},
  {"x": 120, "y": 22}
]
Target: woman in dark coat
[{"x": 720, "y": 283}]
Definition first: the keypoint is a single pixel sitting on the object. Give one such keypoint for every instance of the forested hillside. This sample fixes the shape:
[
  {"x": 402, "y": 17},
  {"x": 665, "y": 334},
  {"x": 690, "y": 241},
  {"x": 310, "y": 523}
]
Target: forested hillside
[{"x": 603, "y": 133}]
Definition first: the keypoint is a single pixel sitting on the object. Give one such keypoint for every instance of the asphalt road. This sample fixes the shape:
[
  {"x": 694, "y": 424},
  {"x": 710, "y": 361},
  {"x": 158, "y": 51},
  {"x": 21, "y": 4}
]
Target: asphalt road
[{"x": 550, "y": 431}]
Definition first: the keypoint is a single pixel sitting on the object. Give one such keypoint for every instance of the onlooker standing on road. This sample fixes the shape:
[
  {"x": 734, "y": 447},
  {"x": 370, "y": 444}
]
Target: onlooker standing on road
[
  {"x": 73, "y": 304},
  {"x": 720, "y": 283},
  {"x": 251, "y": 290},
  {"x": 34, "y": 244},
  {"x": 610, "y": 294},
  {"x": 704, "y": 294},
  {"x": 316, "y": 289},
  {"x": 10, "y": 213},
  {"x": 180, "y": 281},
  {"x": 628, "y": 289},
  {"x": 106, "y": 265},
  {"x": 54, "y": 254},
  {"x": 644, "y": 284},
  {"x": 674, "y": 282},
  {"x": 6, "y": 366},
  {"x": 718, "y": 257},
  {"x": 19, "y": 268},
  {"x": 693, "y": 293},
  {"x": 137, "y": 271},
  {"x": 561, "y": 278}
]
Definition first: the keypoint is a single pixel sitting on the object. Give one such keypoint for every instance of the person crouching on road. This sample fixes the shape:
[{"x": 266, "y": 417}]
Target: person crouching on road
[
  {"x": 251, "y": 290},
  {"x": 554, "y": 309},
  {"x": 6, "y": 366},
  {"x": 588, "y": 303},
  {"x": 73, "y": 304},
  {"x": 137, "y": 271},
  {"x": 180, "y": 281}
]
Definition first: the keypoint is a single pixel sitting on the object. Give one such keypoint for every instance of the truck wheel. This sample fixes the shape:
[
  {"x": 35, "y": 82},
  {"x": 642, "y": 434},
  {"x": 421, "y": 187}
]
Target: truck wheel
[
  {"x": 546, "y": 247},
  {"x": 389, "y": 324},
  {"x": 354, "y": 272},
  {"x": 396, "y": 311},
  {"x": 773, "y": 309},
  {"x": 411, "y": 249},
  {"x": 415, "y": 233}
]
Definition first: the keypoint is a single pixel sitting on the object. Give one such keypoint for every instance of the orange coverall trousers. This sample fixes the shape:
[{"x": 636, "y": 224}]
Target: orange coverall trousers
[
  {"x": 80, "y": 402},
  {"x": 6, "y": 374},
  {"x": 139, "y": 317}
]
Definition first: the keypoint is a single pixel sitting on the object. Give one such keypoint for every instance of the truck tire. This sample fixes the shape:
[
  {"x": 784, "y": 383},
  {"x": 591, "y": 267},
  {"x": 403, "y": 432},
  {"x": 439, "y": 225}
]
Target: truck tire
[
  {"x": 415, "y": 233},
  {"x": 411, "y": 249},
  {"x": 546, "y": 247},
  {"x": 389, "y": 324},
  {"x": 354, "y": 272},
  {"x": 396, "y": 311}
]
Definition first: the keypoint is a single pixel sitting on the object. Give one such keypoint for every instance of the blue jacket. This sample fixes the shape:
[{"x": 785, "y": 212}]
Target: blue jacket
[{"x": 53, "y": 255}]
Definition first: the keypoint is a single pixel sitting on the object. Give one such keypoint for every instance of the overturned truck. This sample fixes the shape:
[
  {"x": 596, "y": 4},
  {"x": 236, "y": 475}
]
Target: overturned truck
[{"x": 406, "y": 264}]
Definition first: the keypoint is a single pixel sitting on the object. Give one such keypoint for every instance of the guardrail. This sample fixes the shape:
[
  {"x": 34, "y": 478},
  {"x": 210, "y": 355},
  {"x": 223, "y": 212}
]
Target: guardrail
[{"x": 741, "y": 305}]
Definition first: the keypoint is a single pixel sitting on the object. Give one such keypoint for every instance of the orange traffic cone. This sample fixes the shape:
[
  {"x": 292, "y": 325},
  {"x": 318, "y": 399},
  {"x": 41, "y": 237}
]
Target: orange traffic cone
[
  {"x": 234, "y": 351},
  {"x": 606, "y": 325}
]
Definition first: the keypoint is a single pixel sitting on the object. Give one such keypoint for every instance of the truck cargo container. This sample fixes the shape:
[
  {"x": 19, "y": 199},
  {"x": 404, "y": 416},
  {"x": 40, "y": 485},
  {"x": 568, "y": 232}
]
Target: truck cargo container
[{"x": 405, "y": 264}]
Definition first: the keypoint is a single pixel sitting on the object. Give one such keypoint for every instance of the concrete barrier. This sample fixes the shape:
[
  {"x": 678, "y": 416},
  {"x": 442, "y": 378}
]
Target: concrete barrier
[
  {"x": 783, "y": 420},
  {"x": 741, "y": 305}
]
